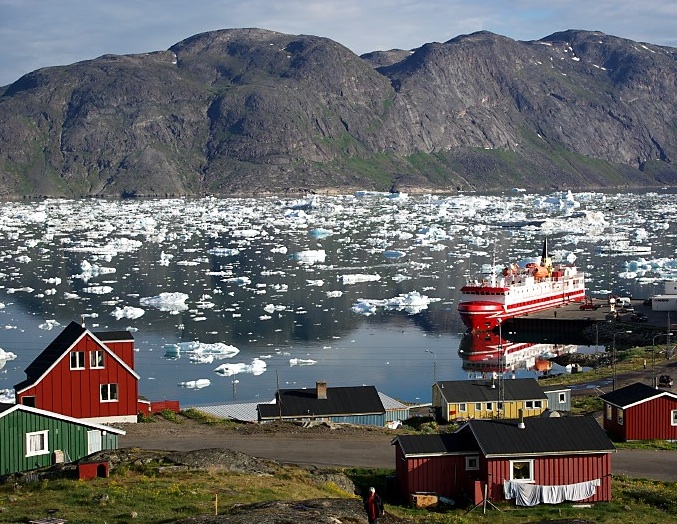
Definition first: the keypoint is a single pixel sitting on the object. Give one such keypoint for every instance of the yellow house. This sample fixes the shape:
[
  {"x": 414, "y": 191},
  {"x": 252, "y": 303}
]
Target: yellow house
[{"x": 484, "y": 399}]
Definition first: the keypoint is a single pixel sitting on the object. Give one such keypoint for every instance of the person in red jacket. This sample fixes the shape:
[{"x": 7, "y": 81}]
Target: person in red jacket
[{"x": 373, "y": 506}]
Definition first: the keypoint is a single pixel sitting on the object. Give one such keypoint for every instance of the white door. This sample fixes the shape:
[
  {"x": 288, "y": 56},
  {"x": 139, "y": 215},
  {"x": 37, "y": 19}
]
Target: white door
[{"x": 93, "y": 441}]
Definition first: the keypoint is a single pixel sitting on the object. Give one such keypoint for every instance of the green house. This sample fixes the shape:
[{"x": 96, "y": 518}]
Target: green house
[{"x": 32, "y": 438}]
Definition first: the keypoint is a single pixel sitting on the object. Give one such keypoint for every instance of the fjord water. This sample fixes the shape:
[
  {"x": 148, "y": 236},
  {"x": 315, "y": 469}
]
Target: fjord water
[{"x": 353, "y": 289}]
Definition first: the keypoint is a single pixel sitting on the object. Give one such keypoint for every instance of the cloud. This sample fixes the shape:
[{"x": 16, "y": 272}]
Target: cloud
[{"x": 40, "y": 33}]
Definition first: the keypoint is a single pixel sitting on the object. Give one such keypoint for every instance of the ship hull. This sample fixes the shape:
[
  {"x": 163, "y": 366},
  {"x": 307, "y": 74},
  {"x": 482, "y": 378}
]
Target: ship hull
[{"x": 481, "y": 315}]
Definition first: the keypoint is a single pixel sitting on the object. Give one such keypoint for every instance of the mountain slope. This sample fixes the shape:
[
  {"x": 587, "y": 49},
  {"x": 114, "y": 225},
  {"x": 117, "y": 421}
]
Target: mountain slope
[{"x": 251, "y": 111}]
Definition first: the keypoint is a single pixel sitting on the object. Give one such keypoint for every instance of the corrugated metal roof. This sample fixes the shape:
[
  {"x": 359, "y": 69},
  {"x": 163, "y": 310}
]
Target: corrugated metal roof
[
  {"x": 540, "y": 436},
  {"x": 482, "y": 390},
  {"x": 390, "y": 403},
  {"x": 243, "y": 412},
  {"x": 632, "y": 394}
]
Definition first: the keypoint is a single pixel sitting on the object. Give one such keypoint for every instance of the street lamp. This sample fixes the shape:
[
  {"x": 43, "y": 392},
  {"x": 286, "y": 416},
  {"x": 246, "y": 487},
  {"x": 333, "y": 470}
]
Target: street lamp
[
  {"x": 613, "y": 359},
  {"x": 653, "y": 355},
  {"x": 434, "y": 364}
]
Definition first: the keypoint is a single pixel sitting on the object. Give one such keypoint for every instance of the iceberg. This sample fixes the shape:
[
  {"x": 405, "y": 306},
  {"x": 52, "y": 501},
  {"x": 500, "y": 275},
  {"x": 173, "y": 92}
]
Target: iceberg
[
  {"x": 127, "y": 312},
  {"x": 196, "y": 384},
  {"x": 309, "y": 257},
  {"x": 354, "y": 279},
  {"x": 257, "y": 367},
  {"x": 166, "y": 301}
]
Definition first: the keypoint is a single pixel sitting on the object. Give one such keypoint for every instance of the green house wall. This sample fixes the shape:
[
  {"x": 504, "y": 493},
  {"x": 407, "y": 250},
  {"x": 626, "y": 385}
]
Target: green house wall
[{"x": 69, "y": 437}]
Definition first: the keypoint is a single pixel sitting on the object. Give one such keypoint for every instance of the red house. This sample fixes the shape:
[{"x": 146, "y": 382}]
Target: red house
[
  {"x": 85, "y": 375},
  {"x": 538, "y": 460},
  {"x": 640, "y": 412}
]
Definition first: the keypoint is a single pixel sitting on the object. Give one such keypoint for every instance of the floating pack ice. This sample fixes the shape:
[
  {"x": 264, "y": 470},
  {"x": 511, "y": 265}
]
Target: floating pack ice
[
  {"x": 224, "y": 251},
  {"x": 202, "y": 352},
  {"x": 196, "y": 384},
  {"x": 47, "y": 325},
  {"x": 166, "y": 301},
  {"x": 310, "y": 256},
  {"x": 127, "y": 312},
  {"x": 257, "y": 367},
  {"x": 90, "y": 271},
  {"x": 6, "y": 355},
  {"x": 412, "y": 303},
  {"x": 7, "y": 396},
  {"x": 98, "y": 290},
  {"x": 320, "y": 232},
  {"x": 354, "y": 279},
  {"x": 302, "y": 362}
]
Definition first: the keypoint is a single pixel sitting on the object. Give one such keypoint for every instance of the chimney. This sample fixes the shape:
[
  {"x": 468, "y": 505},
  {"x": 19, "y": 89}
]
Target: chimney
[
  {"x": 321, "y": 388},
  {"x": 520, "y": 421}
]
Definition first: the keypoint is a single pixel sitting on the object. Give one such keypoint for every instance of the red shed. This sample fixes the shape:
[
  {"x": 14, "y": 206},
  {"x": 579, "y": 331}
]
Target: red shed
[
  {"x": 547, "y": 460},
  {"x": 640, "y": 412},
  {"x": 84, "y": 375}
]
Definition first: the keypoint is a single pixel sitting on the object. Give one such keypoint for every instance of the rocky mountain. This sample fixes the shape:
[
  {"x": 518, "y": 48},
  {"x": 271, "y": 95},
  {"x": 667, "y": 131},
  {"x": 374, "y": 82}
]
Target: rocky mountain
[{"x": 250, "y": 111}]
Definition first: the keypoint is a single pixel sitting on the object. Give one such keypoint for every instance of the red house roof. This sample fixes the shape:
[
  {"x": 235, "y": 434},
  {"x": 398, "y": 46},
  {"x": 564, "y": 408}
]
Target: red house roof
[
  {"x": 60, "y": 347},
  {"x": 634, "y": 394}
]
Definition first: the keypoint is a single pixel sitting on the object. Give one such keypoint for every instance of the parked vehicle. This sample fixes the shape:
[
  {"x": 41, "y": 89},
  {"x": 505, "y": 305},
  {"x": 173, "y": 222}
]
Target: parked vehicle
[
  {"x": 665, "y": 381},
  {"x": 638, "y": 317},
  {"x": 588, "y": 304}
]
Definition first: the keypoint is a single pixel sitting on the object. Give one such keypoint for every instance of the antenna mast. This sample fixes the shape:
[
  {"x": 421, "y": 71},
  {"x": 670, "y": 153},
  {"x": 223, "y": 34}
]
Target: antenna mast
[{"x": 501, "y": 370}]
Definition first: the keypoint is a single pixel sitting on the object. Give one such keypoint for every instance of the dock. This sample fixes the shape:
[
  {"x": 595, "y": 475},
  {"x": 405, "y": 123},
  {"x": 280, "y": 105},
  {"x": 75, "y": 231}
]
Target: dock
[{"x": 570, "y": 319}]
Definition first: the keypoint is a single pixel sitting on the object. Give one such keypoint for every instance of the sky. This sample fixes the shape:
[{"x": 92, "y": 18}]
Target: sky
[{"x": 42, "y": 33}]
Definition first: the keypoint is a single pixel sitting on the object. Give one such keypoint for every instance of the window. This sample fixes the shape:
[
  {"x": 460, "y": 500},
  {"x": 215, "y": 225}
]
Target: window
[
  {"x": 562, "y": 398},
  {"x": 478, "y": 406},
  {"x": 28, "y": 401},
  {"x": 607, "y": 411},
  {"x": 36, "y": 443},
  {"x": 619, "y": 416},
  {"x": 96, "y": 359},
  {"x": 472, "y": 462},
  {"x": 538, "y": 404},
  {"x": 490, "y": 406},
  {"x": 674, "y": 417},
  {"x": 522, "y": 470},
  {"x": 462, "y": 407},
  {"x": 529, "y": 404},
  {"x": 77, "y": 360},
  {"x": 109, "y": 392}
]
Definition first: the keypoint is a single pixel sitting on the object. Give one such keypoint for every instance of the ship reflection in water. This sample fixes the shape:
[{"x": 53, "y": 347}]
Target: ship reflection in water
[{"x": 486, "y": 354}]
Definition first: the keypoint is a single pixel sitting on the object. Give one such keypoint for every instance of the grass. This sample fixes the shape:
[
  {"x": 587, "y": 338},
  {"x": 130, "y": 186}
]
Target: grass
[{"x": 142, "y": 495}]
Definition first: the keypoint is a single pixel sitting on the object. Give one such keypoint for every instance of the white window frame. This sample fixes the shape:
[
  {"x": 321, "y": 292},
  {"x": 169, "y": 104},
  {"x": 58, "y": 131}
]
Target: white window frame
[
  {"x": 478, "y": 406},
  {"x": 538, "y": 404},
  {"x": 37, "y": 437},
  {"x": 93, "y": 360},
  {"x": 463, "y": 407},
  {"x": 77, "y": 359},
  {"x": 530, "y": 462},
  {"x": 608, "y": 411},
  {"x": 673, "y": 413},
  {"x": 111, "y": 393},
  {"x": 472, "y": 463},
  {"x": 619, "y": 416},
  {"x": 562, "y": 398},
  {"x": 529, "y": 404},
  {"x": 489, "y": 406}
]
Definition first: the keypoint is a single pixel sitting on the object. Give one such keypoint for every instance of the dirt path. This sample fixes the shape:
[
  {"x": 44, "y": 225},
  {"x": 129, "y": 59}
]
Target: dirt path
[{"x": 342, "y": 447}]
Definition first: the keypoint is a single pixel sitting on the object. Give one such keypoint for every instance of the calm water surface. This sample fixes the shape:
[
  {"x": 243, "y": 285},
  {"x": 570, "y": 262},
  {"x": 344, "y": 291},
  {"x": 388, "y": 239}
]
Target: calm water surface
[{"x": 271, "y": 279}]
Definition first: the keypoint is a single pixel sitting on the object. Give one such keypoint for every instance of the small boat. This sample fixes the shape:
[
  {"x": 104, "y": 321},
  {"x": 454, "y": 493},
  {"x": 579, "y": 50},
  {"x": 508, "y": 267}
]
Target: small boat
[{"x": 485, "y": 303}]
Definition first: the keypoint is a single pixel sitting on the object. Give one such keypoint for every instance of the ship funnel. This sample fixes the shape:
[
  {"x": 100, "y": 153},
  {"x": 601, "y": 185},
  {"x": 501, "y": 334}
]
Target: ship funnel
[{"x": 520, "y": 420}]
